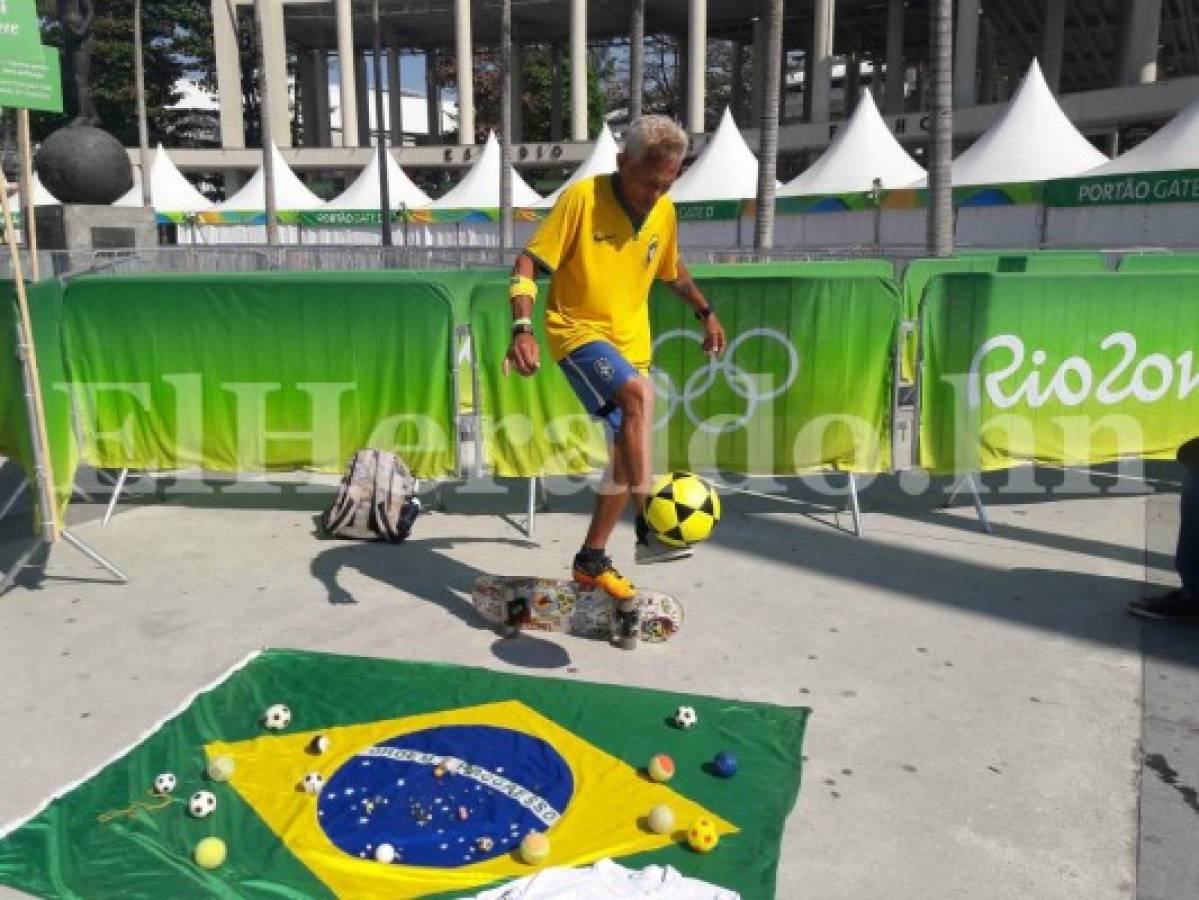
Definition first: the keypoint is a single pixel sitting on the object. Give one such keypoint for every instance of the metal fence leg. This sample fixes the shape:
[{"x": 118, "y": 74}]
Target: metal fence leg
[
  {"x": 978, "y": 503},
  {"x": 853, "y": 505},
  {"x": 16, "y": 495},
  {"x": 116, "y": 495},
  {"x": 95, "y": 557},
  {"x": 531, "y": 510}
]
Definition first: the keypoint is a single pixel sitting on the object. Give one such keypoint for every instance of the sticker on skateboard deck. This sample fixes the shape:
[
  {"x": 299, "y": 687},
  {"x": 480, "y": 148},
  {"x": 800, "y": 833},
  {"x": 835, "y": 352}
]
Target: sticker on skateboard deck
[{"x": 517, "y": 603}]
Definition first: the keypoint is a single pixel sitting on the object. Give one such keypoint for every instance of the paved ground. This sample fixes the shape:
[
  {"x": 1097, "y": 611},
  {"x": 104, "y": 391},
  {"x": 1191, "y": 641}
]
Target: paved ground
[{"x": 977, "y": 720}]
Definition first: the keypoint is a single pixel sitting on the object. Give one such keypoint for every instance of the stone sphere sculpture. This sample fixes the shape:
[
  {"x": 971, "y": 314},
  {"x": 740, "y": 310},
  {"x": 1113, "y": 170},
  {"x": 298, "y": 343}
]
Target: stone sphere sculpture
[{"x": 84, "y": 164}]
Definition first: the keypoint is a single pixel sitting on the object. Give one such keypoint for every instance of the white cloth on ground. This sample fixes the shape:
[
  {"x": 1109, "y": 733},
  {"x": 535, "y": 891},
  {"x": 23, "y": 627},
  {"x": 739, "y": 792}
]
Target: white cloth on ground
[{"x": 607, "y": 880}]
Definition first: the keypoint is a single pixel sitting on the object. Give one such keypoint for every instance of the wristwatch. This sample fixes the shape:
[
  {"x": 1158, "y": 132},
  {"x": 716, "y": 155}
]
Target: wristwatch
[
  {"x": 703, "y": 314},
  {"x": 521, "y": 329}
]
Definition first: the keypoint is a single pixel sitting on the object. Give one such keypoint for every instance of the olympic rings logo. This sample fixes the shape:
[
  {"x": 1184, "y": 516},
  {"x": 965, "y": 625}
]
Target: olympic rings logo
[{"x": 740, "y": 382}]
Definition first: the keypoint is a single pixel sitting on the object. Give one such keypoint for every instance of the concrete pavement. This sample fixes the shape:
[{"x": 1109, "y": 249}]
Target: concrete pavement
[{"x": 977, "y": 720}]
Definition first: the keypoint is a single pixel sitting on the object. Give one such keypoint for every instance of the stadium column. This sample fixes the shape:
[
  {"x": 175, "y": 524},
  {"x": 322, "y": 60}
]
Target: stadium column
[
  {"x": 466, "y": 61},
  {"x": 395, "y": 98},
  {"x": 320, "y": 68},
  {"x": 578, "y": 70},
  {"x": 432, "y": 94},
  {"x": 1142, "y": 31},
  {"x": 228, "y": 73},
  {"x": 697, "y": 63},
  {"x": 362, "y": 65},
  {"x": 348, "y": 100},
  {"x": 822, "y": 61},
  {"x": 1051, "y": 42},
  {"x": 306, "y": 91},
  {"x": 896, "y": 69},
  {"x": 965, "y": 57},
  {"x": 274, "y": 39}
]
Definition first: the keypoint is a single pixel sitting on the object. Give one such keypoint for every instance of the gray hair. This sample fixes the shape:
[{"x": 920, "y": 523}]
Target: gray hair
[{"x": 655, "y": 136}]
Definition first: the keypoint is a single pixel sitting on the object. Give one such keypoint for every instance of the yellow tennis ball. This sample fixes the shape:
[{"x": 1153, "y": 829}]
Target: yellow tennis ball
[
  {"x": 210, "y": 853},
  {"x": 534, "y": 848},
  {"x": 702, "y": 836},
  {"x": 660, "y": 768},
  {"x": 221, "y": 768}
]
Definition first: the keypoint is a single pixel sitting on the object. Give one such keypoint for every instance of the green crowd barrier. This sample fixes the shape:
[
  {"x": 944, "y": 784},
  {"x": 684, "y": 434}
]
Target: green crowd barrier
[
  {"x": 805, "y": 384},
  {"x": 45, "y": 301},
  {"x": 1056, "y": 369},
  {"x": 921, "y": 271},
  {"x": 529, "y": 426},
  {"x": 261, "y": 372},
  {"x": 822, "y": 268},
  {"x": 1160, "y": 262}
]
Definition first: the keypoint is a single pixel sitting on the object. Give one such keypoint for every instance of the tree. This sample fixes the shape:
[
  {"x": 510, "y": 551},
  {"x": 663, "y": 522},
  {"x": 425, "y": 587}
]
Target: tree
[
  {"x": 537, "y": 83},
  {"x": 178, "y": 38}
]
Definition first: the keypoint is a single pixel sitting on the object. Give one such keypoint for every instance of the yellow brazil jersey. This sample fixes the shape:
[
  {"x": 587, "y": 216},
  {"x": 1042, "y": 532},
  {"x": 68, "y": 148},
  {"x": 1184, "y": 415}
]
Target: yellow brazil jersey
[{"x": 603, "y": 267}]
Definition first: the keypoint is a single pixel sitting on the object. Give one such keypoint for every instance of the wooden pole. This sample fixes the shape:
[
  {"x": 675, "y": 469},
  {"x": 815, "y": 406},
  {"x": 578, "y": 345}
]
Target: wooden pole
[
  {"x": 45, "y": 472},
  {"x": 25, "y": 155}
]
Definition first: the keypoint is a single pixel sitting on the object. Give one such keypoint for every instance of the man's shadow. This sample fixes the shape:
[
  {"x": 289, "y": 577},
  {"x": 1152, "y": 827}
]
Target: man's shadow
[{"x": 426, "y": 568}]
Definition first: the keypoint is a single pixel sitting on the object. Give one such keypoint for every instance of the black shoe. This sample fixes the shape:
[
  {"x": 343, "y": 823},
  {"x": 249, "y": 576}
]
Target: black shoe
[
  {"x": 1176, "y": 605},
  {"x": 649, "y": 549}
]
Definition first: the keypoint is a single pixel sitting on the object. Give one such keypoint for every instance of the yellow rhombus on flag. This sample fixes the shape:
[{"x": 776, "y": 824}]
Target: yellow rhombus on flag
[{"x": 452, "y": 793}]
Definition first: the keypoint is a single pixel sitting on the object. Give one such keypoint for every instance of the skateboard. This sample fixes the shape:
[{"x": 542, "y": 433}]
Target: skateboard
[{"x": 516, "y": 603}]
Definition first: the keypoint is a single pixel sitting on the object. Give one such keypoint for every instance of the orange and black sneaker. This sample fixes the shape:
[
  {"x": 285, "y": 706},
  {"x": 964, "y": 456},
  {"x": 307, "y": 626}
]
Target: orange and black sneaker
[{"x": 594, "y": 569}]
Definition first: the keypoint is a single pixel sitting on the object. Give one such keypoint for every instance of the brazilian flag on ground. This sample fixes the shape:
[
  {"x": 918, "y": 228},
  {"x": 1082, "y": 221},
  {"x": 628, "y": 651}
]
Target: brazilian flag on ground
[{"x": 450, "y": 766}]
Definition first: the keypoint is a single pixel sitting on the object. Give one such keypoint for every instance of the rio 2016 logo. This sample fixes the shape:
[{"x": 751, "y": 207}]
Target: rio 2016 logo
[
  {"x": 1073, "y": 382},
  {"x": 744, "y": 384}
]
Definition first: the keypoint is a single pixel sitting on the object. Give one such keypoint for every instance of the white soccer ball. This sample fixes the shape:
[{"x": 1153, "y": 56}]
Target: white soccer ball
[
  {"x": 313, "y": 782},
  {"x": 385, "y": 853},
  {"x": 202, "y": 804},
  {"x": 165, "y": 783},
  {"x": 685, "y": 717},
  {"x": 277, "y": 717},
  {"x": 319, "y": 745}
]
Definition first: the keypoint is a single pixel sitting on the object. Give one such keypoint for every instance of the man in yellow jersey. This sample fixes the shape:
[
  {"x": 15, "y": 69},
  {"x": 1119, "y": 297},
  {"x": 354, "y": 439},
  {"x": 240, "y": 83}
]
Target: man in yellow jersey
[{"x": 605, "y": 242}]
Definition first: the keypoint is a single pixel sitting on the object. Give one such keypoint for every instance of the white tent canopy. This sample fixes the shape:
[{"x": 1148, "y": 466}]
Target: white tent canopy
[
  {"x": 480, "y": 187},
  {"x": 1175, "y": 146},
  {"x": 601, "y": 161},
  {"x": 864, "y": 149},
  {"x": 726, "y": 169},
  {"x": 364, "y": 192},
  {"x": 169, "y": 190},
  {"x": 41, "y": 196},
  {"x": 290, "y": 192},
  {"x": 1032, "y": 141}
]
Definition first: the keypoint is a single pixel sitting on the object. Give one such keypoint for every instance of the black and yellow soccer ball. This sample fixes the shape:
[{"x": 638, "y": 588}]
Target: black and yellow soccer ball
[{"x": 682, "y": 509}]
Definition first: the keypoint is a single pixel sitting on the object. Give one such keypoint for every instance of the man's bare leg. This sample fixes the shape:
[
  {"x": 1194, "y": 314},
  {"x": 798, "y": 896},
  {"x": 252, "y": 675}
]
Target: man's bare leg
[{"x": 610, "y": 502}]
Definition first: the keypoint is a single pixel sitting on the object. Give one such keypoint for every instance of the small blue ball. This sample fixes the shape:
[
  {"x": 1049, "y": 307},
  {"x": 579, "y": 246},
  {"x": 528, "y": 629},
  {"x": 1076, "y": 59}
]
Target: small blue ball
[{"x": 725, "y": 765}]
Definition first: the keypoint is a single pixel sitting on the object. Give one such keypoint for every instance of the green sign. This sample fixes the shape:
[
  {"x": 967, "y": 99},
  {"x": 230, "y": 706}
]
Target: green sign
[
  {"x": 1119, "y": 190},
  {"x": 342, "y": 217},
  {"x": 20, "y": 39},
  {"x": 1060, "y": 369},
  {"x": 31, "y": 85},
  {"x": 713, "y": 211}
]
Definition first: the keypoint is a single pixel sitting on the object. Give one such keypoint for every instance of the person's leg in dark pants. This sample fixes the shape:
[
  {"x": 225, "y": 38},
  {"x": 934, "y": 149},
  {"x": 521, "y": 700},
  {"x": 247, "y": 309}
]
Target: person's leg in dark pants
[{"x": 1182, "y": 603}]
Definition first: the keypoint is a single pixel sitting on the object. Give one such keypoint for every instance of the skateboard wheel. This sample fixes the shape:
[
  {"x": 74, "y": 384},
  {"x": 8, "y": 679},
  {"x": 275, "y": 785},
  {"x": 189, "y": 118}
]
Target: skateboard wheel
[
  {"x": 628, "y": 643},
  {"x": 509, "y": 630}
]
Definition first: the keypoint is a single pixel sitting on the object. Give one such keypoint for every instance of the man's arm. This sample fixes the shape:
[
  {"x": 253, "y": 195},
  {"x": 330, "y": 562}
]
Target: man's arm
[
  {"x": 688, "y": 290},
  {"x": 523, "y": 351}
]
